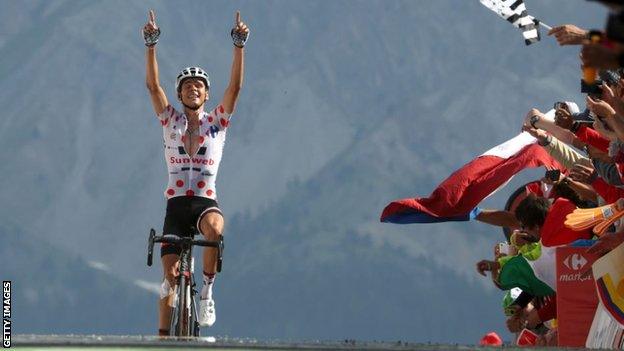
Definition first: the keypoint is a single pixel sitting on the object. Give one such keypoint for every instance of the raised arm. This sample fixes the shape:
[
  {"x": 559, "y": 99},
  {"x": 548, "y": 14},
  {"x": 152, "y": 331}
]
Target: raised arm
[
  {"x": 498, "y": 218},
  {"x": 157, "y": 94},
  {"x": 240, "y": 33},
  {"x": 568, "y": 34},
  {"x": 603, "y": 110},
  {"x": 537, "y": 120}
]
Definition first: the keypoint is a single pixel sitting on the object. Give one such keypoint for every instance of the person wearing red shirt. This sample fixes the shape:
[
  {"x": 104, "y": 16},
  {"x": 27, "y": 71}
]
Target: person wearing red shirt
[{"x": 544, "y": 221}]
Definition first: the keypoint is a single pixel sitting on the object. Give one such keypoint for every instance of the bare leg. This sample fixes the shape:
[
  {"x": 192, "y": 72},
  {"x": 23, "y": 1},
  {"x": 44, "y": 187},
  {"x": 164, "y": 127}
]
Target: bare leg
[
  {"x": 211, "y": 226},
  {"x": 170, "y": 271}
]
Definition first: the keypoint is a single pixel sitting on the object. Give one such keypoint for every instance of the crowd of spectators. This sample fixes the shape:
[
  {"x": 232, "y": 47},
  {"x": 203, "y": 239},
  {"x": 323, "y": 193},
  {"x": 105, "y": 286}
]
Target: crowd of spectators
[{"x": 589, "y": 144}]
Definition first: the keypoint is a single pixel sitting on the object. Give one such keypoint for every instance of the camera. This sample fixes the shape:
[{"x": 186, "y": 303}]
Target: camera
[
  {"x": 608, "y": 77},
  {"x": 553, "y": 175},
  {"x": 592, "y": 89}
]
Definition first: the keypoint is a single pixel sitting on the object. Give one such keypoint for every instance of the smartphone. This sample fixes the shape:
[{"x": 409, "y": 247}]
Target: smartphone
[
  {"x": 553, "y": 175},
  {"x": 593, "y": 90},
  {"x": 503, "y": 248}
]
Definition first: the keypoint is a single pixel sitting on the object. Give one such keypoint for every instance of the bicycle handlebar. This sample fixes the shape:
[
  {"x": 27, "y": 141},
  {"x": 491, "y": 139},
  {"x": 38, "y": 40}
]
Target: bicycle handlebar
[
  {"x": 175, "y": 239},
  {"x": 179, "y": 240}
]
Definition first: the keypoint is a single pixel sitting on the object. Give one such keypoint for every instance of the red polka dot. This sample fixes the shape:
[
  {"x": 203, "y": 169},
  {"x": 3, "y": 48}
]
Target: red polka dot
[
  {"x": 201, "y": 139},
  {"x": 190, "y": 193},
  {"x": 224, "y": 122},
  {"x": 210, "y": 119},
  {"x": 170, "y": 192},
  {"x": 209, "y": 192},
  {"x": 180, "y": 183},
  {"x": 164, "y": 122},
  {"x": 201, "y": 184},
  {"x": 183, "y": 138},
  {"x": 221, "y": 108}
]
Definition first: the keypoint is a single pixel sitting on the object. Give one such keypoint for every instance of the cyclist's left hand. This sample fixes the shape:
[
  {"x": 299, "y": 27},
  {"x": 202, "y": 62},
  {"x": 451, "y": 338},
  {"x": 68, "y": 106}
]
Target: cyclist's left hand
[{"x": 240, "y": 32}]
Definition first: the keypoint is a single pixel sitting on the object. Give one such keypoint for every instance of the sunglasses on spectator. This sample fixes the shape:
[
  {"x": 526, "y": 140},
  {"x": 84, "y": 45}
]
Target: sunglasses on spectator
[{"x": 560, "y": 106}]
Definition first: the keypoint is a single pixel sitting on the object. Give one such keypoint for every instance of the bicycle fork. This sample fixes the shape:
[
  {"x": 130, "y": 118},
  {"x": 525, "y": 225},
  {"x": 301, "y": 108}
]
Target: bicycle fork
[{"x": 184, "y": 319}]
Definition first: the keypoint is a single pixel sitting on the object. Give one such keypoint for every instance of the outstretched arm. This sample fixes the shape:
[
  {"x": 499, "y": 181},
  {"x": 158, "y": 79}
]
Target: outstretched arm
[
  {"x": 569, "y": 34},
  {"x": 541, "y": 122},
  {"x": 157, "y": 94},
  {"x": 239, "y": 35},
  {"x": 498, "y": 218}
]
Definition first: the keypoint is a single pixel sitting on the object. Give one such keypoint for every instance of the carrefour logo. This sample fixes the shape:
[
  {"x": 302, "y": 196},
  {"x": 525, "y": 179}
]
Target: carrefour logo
[{"x": 575, "y": 261}]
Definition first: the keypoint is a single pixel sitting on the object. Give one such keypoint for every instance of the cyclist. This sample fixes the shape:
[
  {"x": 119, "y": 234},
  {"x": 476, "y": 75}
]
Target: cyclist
[{"x": 193, "y": 141}]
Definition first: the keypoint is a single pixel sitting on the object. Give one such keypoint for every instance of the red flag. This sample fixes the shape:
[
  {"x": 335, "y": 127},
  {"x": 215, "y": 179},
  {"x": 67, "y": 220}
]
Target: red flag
[{"x": 456, "y": 198}]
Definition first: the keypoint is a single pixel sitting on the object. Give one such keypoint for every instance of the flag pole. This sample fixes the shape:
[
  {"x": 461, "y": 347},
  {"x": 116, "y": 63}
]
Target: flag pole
[{"x": 547, "y": 27}]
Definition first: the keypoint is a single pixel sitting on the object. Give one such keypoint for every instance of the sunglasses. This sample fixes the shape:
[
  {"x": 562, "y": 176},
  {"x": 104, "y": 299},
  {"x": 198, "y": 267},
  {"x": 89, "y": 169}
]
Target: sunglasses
[{"x": 560, "y": 106}]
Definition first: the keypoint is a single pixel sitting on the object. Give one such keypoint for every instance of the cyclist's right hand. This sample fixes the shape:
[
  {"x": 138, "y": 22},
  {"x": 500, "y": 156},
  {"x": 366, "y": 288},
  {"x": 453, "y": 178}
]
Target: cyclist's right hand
[{"x": 151, "y": 32}]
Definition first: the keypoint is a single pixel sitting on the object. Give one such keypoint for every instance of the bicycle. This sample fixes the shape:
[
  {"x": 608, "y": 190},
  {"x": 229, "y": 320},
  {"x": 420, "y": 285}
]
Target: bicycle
[{"x": 184, "y": 315}]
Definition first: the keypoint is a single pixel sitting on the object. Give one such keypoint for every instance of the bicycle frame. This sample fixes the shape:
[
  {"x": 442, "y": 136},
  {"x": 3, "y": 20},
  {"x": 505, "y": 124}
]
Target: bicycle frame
[
  {"x": 184, "y": 314},
  {"x": 183, "y": 321}
]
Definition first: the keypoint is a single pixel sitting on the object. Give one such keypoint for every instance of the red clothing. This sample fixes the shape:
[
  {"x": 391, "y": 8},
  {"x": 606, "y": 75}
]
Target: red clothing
[
  {"x": 548, "y": 310},
  {"x": 593, "y": 138},
  {"x": 608, "y": 192},
  {"x": 554, "y": 232}
]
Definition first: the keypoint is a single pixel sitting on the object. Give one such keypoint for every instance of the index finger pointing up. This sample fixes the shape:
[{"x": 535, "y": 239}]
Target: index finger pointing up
[
  {"x": 237, "y": 17},
  {"x": 152, "y": 16}
]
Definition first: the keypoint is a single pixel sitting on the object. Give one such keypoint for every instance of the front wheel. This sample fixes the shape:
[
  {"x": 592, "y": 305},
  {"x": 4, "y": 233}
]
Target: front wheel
[
  {"x": 184, "y": 312},
  {"x": 194, "y": 322},
  {"x": 181, "y": 315},
  {"x": 175, "y": 313}
]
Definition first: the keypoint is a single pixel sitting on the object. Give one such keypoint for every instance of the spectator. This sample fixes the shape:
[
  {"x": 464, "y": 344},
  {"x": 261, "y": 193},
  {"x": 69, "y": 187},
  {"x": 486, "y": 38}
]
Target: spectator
[{"x": 544, "y": 221}]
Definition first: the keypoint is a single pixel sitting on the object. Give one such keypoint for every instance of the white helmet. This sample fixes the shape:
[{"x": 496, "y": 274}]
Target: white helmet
[{"x": 192, "y": 72}]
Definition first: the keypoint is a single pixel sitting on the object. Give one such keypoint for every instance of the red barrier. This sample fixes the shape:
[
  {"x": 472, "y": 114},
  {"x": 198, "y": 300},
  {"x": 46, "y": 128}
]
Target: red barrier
[{"x": 576, "y": 295}]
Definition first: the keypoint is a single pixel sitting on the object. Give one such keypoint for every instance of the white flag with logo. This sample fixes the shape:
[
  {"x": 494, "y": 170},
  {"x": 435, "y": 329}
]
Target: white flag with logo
[{"x": 515, "y": 12}]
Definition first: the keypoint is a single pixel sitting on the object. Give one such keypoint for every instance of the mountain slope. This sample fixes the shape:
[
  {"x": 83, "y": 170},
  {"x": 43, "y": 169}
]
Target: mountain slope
[{"x": 56, "y": 292}]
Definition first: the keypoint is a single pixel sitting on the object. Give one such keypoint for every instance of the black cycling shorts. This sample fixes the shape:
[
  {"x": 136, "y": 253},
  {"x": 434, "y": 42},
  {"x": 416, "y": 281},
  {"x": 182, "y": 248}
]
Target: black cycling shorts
[{"x": 183, "y": 216}]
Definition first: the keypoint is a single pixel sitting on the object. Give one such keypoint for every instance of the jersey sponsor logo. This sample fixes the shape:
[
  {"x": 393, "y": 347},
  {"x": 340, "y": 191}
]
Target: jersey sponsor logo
[
  {"x": 214, "y": 130},
  {"x": 195, "y": 160}
]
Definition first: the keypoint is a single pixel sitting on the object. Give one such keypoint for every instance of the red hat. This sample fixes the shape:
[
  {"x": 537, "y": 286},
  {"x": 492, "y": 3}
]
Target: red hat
[{"x": 491, "y": 339}]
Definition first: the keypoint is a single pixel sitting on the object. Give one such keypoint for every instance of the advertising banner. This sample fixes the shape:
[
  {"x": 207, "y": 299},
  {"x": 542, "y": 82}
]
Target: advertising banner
[{"x": 576, "y": 295}]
